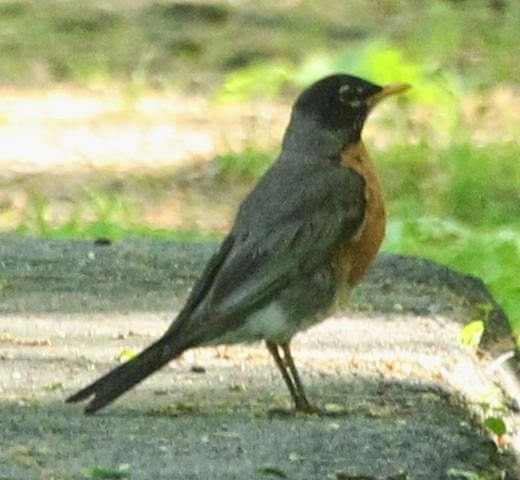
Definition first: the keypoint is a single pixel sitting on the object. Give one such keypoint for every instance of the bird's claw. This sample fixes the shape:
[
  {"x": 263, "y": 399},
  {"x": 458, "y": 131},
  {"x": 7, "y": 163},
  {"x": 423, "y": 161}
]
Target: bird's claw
[{"x": 304, "y": 406}]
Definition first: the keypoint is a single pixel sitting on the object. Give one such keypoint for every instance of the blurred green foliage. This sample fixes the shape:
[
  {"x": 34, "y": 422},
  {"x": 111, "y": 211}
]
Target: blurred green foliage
[
  {"x": 165, "y": 42},
  {"x": 493, "y": 254},
  {"x": 249, "y": 164},
  {"x": 476, "y": 185},
  {"x": 97, "y": 215},
  {"x": 263, "y": 80},
  {"x": 376, "y": 60}
]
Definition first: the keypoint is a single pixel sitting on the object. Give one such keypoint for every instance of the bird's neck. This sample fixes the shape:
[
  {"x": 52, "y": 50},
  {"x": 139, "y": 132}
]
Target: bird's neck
[{"x": 305, "y": 137}]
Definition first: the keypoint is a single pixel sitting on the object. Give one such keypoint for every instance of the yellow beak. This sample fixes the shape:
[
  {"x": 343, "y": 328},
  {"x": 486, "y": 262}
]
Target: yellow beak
[{"x": 388, "y": 90}]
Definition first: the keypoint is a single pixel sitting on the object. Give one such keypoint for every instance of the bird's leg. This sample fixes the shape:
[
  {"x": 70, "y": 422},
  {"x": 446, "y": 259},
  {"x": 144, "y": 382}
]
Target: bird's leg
[
  {"x": 273, "y": 349},
  {"x": 291, "y": 377},
  {"x": 301, "y": 401}
]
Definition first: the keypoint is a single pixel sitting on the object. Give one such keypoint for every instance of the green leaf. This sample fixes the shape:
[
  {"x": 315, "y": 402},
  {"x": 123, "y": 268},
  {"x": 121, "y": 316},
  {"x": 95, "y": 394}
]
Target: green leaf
[
  {"x": 126, "y": 355},
  {"x": 472, "y": 333},
  {"x": 496, "y": 425}
]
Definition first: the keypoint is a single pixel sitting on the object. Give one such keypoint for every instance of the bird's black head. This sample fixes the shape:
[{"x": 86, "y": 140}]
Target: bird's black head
[{"x": 339, "y": 104}]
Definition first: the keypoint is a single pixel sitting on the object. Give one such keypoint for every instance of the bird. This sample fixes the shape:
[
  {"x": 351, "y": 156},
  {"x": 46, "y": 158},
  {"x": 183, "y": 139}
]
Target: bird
[{"x": 301, "y": 240}]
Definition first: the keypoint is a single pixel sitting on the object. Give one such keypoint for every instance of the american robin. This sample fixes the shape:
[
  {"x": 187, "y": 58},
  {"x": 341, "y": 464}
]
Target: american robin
[{"x": 301, "y": 240}]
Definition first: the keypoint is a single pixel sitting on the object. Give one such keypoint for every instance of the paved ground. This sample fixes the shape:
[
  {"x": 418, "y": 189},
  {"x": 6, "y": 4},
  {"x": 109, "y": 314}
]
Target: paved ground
[{"x": 401, "y": 394}]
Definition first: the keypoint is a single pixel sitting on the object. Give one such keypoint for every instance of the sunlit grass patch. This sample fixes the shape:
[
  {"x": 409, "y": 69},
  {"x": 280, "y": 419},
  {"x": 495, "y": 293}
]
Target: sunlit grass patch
[
  {"x": 95, "y": 215},
  {"x": 249, "y": 164},
  {"x": 477, "y": 185}
]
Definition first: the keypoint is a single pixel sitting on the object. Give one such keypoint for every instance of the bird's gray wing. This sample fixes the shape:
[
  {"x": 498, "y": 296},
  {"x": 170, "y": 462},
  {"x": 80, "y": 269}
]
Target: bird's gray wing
[{"x": 275, "y": 240}]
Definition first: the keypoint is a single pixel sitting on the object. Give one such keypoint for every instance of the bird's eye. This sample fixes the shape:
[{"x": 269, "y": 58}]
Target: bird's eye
[{"x": 354, "y": 103}]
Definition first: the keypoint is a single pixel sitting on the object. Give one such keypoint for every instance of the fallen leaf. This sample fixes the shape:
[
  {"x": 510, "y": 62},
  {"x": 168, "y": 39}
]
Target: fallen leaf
[
  {"x": 126, "y": 355},
  {"x": 496, "y": 425},
  {"x": 471, "y": 334}
]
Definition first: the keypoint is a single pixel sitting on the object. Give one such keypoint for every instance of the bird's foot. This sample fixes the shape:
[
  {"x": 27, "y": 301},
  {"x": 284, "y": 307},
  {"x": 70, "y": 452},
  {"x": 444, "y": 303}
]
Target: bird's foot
[
  {"x": 299, "y": 405},
  {"x": 304, "y": 406}
]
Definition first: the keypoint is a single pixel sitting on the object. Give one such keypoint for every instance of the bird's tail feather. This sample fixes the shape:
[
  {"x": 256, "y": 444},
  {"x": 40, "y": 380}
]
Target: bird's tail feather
[{"x": 124, "y": 377}]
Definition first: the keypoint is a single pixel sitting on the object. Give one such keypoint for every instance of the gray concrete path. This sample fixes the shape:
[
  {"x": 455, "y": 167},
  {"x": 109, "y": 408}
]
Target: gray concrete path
[{"x": 402, "y": 395}]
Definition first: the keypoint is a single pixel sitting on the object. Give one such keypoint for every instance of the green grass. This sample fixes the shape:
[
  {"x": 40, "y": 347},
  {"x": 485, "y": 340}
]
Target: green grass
[
  {"x": 475, "y": 185},
  {"x": 98, "y": 229},
  {"x": 492, "y": 254},
  {"x": 96, "y": 215},
  {"x": 247, "y": 165},
  {"x": 460, "y": 206}
]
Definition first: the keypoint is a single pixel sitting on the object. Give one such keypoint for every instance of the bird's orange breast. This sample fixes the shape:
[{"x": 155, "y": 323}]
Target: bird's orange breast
[{"x": 353, "y": 257}]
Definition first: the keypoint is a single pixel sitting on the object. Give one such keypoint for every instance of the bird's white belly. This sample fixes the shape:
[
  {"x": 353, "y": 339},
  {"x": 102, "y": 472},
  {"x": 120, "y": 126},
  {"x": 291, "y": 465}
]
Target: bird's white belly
[{"x": 270, "y": 323}]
